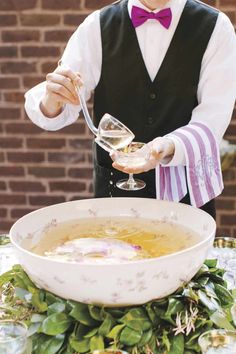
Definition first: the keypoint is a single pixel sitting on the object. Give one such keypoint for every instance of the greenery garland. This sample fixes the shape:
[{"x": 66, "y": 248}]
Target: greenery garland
[{"x": 171, "y": 325}]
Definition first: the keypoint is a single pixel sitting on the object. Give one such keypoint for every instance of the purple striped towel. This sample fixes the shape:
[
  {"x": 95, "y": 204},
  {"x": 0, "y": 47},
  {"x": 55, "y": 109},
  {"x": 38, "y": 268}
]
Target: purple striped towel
[{"x": 202, "y": 172}]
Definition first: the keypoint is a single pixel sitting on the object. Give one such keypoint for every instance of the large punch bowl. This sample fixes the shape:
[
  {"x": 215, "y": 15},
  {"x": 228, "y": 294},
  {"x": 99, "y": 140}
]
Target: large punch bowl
[{"x": 121, "y": 284}]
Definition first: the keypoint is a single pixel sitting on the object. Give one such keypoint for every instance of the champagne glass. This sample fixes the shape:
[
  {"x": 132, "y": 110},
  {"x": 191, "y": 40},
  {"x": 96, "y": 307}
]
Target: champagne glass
[
  {"x": 13, "y": 337},
  {"x": 218, "y": 341},
  {"x": 136, "y": 155}
]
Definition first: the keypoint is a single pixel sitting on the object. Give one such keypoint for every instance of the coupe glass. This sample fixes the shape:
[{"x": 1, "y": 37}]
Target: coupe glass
[
  {"x": 112, "y": 134},
  {"x": 218, "y": 342},
  {"x": 136, "y": 155},
  {"x": 13, "y": 337}
]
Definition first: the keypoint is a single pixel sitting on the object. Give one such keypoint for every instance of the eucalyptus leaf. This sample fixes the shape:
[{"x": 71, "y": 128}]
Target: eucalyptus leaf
[
  {"x": 107, "y": 325},
  {"x": 57, "y": 307},
  {"x": 96, "y": 342},
  {"x": 223, "y": 294},
  {"x": 51, "y": 345},
  {"x": 221, "y": 320},
  {"x": 80, "y": 346},
  {"x": 36, "y": 317},
  {"x": 81, "y": 313},
  {"x": 130, "y": 337},
  {"x": 56, "y": 324},
  {"x": 146, "y": 337},
  {"x": 210, "y": 303},
  {"x": 96, "y": 313},
  {"x": 177, "y": 345},
  {"x": 115, "y": 332}
]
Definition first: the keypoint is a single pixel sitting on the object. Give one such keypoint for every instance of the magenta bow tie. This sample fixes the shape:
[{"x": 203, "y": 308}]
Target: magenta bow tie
[{"x": 139, "y": 16}]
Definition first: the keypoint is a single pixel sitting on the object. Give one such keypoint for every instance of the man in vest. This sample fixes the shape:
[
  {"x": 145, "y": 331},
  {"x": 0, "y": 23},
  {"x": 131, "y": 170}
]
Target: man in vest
[{"x": 155, "y": 65}]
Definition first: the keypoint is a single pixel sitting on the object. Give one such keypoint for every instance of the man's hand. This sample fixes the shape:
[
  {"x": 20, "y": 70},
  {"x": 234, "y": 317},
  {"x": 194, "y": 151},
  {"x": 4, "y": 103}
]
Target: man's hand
[
  {"x": 161, "y": 150},
  {"x": 60, "y": 89}
]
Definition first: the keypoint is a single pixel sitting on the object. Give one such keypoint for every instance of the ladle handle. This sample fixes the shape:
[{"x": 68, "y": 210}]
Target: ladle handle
[{"x": 87, "y": 117}]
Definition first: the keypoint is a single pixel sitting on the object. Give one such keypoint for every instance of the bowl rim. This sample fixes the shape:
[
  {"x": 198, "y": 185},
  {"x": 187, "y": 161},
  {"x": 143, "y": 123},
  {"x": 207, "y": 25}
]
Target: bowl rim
[{"x": 142, "y": 261}]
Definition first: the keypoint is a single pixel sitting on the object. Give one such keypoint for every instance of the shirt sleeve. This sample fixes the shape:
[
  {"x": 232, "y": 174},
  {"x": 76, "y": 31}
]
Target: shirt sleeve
[
  {"x": 217, "y": 85},
  {"x": 82, "y": 54}
]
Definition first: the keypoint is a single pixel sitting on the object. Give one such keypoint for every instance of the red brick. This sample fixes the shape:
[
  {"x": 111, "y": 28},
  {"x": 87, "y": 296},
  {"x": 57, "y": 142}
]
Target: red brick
[
  {"x": 26, "y": 186},
  {"x": 44, "y": 200},
  {"x": 8, "y": 20},
  {"x": 40, "y": 51},
  {"x": 67, "y": 186},
  {"x": 210, "y": 2},
  {"x": 61, "y": 4},
  {"x": 223, "y": 232},
  {"x": 22, "y": 128},
  {"x": 3, "y": 213},
  {"x": 10, "y": 143},
  {"x": 93, "y": 4},
  {"x": 9, "y": 83},
  {"x": 3, "y": 186},
  {"x": 20, "y": 36},
  {"x": 39, "y": 20},
  {"x": 224, "y": 204},
  {"x": 17, "y": 5},
  {"x": 34, "y": 143},
  {"x": 230, "y": 190},
  {"x": 12, "y": 199},
  {"x": 8, "y": 51},
  {"x": 227, "y": 2},
  {"x": 85, "y": 173},
  {"x": 18, "y": 67},
  {"x": 14, "y": 97},
  {"x": 2, "y": 158},
  {"x": 18, "y": 213},
  {"x": 9, "y": 113},
  {"x": 47, "y": 172},
  {"x": 57, "y": 36},
  {"x": 74, "y": 19},
  {"x": 25, "y": 157},
  {"x": 14, "y": 171},
  {"x": 228, "y": 220},
  {"x": 66, "y": 157},
  {"x": 76, "y": 129},
  {"x": 5, "y": 226},
  {"x": 81, "y": 144},
  {"x": 30, "y": 81},
  {"x": 48, "y": 67}
]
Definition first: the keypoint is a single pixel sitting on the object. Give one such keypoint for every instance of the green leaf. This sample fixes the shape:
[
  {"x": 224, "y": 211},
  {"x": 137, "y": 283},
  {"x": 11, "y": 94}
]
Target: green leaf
[
  {"x": 51, "y": 345},
  {"x": 95, "y": 312},
  {"x": 107, "y": 325},
  {"x": 80, "y": 346},
  {"x": 33, "y": 328},
  {"x": 177, "y": 345},
  {"x": 91, "y": 333},
  {"x": 36, "y": 317},
  {"x": 114, "y": 333},
  {"x": 81, "y": 313},
  {"x": 57, "y": 307},
  {"x": 130, "y": 337},
  {"x": 96, "y": 342},
  {"x": 211, "y": 263},
  {"x": 224, "y": 295},
  {"x": 56, "y": 324},
  {"x": 174, "y": 306},
  {"x": 38, "y": 300},
  {"x": 146, "y": 337},
  {"x": 210, "y": 303},
  {"x": 221, "y": 320}
]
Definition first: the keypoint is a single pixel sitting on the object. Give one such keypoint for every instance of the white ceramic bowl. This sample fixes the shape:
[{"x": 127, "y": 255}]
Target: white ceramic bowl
[{"x": 119, "y": 284}]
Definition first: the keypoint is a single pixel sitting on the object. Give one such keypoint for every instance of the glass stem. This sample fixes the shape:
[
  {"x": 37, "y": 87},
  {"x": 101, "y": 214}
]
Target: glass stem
[{"x": 131, "y": 181}]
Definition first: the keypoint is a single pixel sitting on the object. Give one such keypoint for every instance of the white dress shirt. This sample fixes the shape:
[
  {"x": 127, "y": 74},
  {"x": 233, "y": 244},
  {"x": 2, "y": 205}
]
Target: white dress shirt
[{"x": 217, "y": 85}]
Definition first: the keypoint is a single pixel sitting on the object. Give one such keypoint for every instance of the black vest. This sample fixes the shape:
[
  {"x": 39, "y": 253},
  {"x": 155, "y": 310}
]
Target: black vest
[{"x": 125, "y": 90}]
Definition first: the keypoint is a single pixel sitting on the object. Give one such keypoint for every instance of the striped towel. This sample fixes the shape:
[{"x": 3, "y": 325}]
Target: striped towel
[{"x": 202, "y": 172}]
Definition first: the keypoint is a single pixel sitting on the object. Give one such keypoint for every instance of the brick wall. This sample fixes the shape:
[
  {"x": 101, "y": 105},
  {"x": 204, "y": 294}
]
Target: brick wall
[{"x": 39, "y": 168}]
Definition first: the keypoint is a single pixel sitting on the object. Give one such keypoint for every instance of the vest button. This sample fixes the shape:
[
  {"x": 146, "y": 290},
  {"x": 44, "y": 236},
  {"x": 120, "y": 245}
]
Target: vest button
[
  {"x": 150, "y": 120},
  {"x": 153, "y": 96}
]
